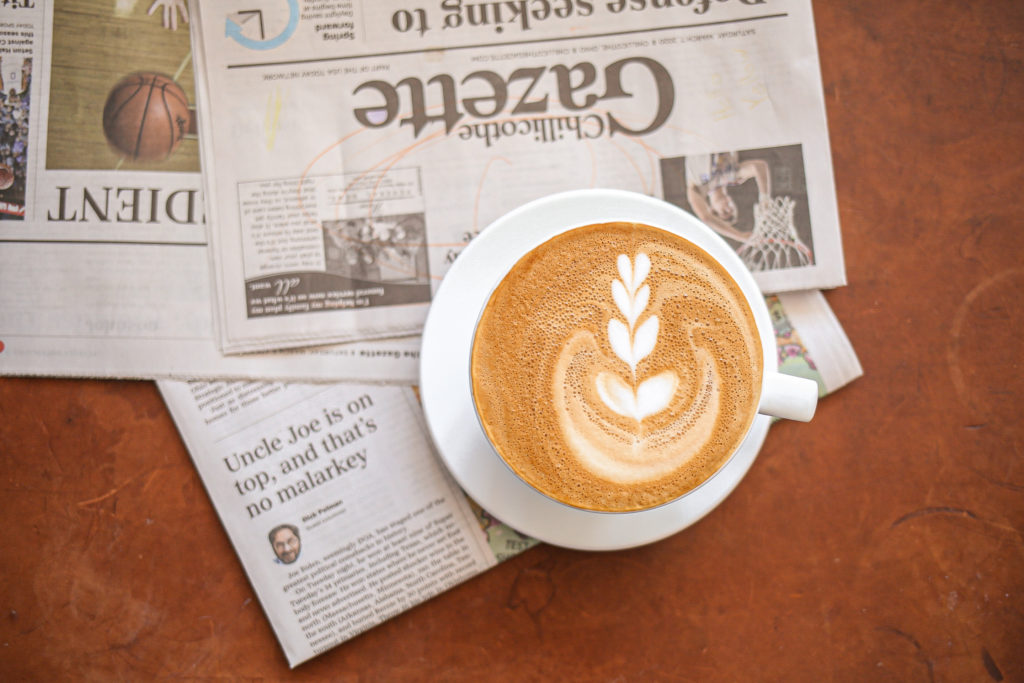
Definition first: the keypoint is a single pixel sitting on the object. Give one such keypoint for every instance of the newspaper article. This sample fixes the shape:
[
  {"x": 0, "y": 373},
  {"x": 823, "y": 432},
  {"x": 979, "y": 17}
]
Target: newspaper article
[
  {"x": 338, "y": 508},
  {"x": 104, "y": 269},
  {"x": 352, "y": 149}
]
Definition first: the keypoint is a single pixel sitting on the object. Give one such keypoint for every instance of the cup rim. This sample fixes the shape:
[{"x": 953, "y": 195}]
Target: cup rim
[{"x": 720, "y": 249}]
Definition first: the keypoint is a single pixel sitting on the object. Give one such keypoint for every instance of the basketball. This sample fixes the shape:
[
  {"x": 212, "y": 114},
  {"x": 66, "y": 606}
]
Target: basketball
[
  {"x": 146, "y": 116},
  {"x": 6, "y": 177}
]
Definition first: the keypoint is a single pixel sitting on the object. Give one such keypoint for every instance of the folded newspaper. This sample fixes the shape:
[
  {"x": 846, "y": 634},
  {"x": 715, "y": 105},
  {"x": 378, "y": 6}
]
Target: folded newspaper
[
  {"x": 338, "y": 508},
  {"x": 104, "y": 269},
  {"x": 351, "y": 149}
]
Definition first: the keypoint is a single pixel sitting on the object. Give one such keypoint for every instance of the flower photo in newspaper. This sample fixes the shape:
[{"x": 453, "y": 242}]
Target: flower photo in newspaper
[{"x": 15, "y": 101}]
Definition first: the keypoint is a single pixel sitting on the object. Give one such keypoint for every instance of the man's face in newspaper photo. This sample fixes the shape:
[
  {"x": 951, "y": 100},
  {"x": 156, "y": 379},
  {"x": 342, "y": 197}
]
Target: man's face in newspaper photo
[{"x": 285, "y": 540}]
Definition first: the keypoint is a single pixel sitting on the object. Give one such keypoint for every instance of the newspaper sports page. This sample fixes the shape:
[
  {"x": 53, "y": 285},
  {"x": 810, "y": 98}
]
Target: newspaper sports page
[
  {"x": 103, "y": 259},
  {"x": 352, "y": 149}
]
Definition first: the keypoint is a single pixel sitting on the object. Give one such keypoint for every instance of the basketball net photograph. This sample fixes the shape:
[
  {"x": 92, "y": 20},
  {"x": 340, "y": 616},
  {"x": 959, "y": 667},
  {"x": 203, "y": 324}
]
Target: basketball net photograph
[{"x": 756, "y": 199}]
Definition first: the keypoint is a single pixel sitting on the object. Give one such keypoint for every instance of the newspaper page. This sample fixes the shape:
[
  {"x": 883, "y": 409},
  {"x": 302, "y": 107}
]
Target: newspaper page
[
  {"x": 104, "y": 269},
  {"x": 349, "y": 473},
  {"x": 338, "y": 508},
  {"x": 351, "y": 149}
]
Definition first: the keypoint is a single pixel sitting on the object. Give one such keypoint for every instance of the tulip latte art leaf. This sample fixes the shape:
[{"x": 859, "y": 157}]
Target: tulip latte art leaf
[
  {"x": 652, "y": 396},
  {"x": 632, "y": 344}
]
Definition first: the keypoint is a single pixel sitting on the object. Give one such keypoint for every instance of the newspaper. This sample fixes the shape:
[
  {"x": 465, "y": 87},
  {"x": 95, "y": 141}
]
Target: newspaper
[
  {"x": 344, "y": 480},
  {"x": 340, "y": 513},
  {"x": 351, "y": 149},
  {"x": 810, "y": 341},
  {"x": 104, "y": 269}
]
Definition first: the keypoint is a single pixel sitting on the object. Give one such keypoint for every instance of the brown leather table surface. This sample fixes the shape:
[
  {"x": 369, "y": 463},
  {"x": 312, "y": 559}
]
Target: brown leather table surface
[{"x": 880, "y": 542}]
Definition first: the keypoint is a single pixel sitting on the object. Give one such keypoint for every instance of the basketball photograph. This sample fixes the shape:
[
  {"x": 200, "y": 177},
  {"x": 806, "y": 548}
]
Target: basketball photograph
[
  {"x": 15, "y": 79},
  {"x": 756, "y": 199},
  {"x": 129, "y": 108}
]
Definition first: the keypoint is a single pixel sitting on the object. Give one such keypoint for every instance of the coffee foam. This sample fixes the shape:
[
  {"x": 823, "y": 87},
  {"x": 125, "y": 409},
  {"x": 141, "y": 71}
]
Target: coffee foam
[{"x": 616, "y": 396}]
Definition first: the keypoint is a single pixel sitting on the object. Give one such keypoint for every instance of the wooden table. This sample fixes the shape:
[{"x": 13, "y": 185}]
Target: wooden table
[{"x": 881, "y": 542}]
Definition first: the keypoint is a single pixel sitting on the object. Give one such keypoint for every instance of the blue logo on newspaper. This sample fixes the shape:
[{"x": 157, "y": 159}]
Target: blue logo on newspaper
[{"x": 233, "y": 28}]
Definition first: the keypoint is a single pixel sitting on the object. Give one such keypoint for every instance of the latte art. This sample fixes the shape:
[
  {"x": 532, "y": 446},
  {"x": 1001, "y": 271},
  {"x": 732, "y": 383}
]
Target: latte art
[
  {"x": 633, "y": 345},
  {"x": 616, "y": 367},
  {"x": 629, "y": 455}
]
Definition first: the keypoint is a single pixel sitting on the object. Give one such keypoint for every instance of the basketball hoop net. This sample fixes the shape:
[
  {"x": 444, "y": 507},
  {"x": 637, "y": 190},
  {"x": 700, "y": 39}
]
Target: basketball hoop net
[{"x": 774, "y": 243}]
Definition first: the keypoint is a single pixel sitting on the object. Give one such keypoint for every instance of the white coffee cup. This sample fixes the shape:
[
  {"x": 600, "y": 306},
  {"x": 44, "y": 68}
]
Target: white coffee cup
[{"x": 451, "y": 324}]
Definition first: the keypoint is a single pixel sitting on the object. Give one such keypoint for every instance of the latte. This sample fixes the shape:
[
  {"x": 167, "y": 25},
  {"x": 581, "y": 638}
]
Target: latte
[{"x": 616, "y": 367}]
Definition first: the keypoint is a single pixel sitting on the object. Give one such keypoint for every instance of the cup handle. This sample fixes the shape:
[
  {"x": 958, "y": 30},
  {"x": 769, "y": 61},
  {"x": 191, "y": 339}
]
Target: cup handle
[{"x": 793, "y": 398}]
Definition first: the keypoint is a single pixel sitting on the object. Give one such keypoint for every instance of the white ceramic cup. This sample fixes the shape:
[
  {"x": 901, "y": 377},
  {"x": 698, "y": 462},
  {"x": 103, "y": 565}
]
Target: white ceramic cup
[{"x": 486, "y": 261}]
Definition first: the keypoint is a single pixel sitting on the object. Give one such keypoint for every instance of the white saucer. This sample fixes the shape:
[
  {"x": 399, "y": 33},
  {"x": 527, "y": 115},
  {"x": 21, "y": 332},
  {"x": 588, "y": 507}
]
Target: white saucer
[{"x": 448, "y": 405}]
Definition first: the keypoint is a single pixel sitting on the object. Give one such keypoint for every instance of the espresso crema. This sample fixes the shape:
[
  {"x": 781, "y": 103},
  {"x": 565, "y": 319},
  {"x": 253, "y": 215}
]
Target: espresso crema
[{"x": 616, "y": 367}]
